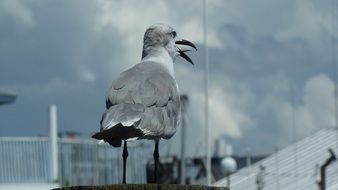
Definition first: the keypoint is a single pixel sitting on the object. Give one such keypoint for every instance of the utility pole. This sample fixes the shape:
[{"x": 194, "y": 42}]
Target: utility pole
[
  {"x": 206, "y": 100},
  {"x": 184, "y": 100}
]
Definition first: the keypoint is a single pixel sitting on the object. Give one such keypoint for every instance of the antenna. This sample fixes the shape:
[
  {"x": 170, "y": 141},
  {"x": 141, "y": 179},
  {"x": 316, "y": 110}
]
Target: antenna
[
  {"x": 334, "y": 58},
  {"x": 295, "y": 148}
]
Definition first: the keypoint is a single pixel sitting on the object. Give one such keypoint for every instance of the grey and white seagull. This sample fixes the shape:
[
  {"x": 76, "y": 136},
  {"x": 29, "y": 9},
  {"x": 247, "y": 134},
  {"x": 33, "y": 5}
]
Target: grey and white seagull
[{"x": 144, "y": 102}]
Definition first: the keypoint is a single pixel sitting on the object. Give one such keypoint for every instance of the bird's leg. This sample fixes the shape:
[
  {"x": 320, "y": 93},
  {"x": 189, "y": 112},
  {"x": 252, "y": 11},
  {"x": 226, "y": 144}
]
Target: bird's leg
[
  {"x": 156, "y": 156},
  {"x": 124, "y": 156}
]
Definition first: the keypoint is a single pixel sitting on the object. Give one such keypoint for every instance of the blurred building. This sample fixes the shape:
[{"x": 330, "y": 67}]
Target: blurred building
[
  {"x": 295, "y": 167},
  {"x": 7, "y": 97}
]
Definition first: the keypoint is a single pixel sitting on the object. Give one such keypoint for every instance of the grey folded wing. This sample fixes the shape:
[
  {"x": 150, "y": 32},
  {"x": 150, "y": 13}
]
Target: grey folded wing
[{"x": 144, "y": 101}]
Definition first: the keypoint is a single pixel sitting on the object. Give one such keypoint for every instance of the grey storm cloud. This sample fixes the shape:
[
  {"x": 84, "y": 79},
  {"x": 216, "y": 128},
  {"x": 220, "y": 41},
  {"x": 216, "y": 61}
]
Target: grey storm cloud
[{"x": 68, "y": 52}]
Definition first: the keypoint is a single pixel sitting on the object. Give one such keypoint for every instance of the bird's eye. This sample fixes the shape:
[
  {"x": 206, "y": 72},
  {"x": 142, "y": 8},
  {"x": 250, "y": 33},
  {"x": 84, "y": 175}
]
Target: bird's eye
[{"x": 173, "y": 34}]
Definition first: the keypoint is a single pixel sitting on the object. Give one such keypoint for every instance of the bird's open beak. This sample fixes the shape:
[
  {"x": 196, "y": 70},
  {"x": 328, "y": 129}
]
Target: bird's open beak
[{"x": 182, "y": 48}]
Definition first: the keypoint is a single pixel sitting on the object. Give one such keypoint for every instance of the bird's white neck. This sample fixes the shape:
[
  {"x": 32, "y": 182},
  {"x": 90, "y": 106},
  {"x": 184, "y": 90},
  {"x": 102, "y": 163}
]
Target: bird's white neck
[{"x": 162, "y": 57}]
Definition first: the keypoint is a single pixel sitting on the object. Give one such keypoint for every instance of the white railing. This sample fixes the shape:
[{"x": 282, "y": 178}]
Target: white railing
[
  {"x": 80, "y": 161},
  {"x": 24, "y": 160}
]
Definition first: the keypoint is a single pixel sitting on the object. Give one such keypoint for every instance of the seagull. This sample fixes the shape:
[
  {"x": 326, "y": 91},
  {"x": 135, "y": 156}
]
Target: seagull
[{"x": 144, "y": 102}]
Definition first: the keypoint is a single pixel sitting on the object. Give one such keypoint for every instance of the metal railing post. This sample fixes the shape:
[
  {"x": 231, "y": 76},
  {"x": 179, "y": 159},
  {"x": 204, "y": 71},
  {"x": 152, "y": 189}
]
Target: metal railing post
[{"x": 53, "y": 142}]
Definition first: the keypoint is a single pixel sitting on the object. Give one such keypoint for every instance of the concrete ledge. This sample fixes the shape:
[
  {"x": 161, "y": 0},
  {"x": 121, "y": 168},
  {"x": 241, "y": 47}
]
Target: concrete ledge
[
  {"x": 35, "y": 186},
  {"x": 144, "y": 187}
]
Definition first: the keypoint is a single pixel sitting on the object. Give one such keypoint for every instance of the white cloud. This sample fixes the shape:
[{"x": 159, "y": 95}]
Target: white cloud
[
  {"x": 88, "y": 76},
  {"x": 15, "y": 9},
  {"x": 225, "y": 117},
  {"x": 229, "y": 103},
  {"x": 319, "y": 100},
  {"x": 132, "y": 21},
  {"x": 317, "y": 108},
  {"x": 314, "y": 111}
]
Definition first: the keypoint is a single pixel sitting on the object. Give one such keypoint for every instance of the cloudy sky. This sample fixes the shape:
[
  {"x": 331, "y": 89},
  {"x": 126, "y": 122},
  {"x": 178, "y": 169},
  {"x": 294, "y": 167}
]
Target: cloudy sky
[{"x": 271, "y": 65}]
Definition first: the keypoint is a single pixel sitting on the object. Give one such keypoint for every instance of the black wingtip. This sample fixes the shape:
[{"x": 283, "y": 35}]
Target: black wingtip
[
  {"x": 99, "y": 135},
  {"x": 96, "y": 136},
  {"x": 112, "y": 142}
]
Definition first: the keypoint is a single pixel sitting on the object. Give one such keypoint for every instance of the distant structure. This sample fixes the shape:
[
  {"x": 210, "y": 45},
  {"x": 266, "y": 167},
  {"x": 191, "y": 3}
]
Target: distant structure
[
  {"x": 288, "y": 169},
  {"x": 260, "y": 178},
  {"x": 222, "y": 148},
  {"x": 7, "y": 97},
  {"x": 229, "y": 166}
]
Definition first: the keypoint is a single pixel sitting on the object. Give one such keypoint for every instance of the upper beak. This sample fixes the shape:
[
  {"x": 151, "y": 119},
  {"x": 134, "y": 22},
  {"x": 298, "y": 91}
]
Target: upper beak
[{"x": 182, "y": 50}]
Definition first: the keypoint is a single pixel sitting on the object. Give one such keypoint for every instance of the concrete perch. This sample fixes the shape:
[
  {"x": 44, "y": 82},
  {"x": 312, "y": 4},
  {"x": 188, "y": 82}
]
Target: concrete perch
[{"x": 144, "y": 187}]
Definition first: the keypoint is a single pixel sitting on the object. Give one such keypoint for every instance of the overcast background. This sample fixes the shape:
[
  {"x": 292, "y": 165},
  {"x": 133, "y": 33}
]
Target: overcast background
[{"x": 270, "y": 61}]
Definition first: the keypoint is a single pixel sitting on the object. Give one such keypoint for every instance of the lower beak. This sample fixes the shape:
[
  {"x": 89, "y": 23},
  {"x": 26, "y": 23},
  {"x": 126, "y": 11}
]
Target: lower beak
[{"x": 181, "y": 50}]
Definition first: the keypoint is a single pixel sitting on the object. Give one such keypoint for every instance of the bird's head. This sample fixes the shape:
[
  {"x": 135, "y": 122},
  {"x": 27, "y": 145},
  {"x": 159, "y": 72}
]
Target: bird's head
[{"x": 164, "y": 36}]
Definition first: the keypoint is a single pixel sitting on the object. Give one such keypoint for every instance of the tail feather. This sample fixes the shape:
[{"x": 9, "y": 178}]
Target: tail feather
[
  {"x": 102, "y": 136},
  {"x": 115, "y": 142},
  {"x": 116, "y": 134}
]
